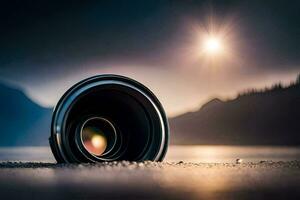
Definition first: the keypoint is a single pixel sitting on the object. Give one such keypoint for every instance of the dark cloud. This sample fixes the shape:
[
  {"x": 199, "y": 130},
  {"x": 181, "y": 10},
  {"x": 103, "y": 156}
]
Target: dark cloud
[{"x": 55, "y": 32}]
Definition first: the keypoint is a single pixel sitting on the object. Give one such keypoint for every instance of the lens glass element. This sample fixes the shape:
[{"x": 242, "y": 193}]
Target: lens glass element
[{"x": 98, "y": 136}]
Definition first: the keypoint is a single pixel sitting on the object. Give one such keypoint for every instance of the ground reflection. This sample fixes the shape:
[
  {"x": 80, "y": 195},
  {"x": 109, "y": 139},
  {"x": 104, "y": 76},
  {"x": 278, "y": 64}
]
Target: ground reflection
[{"x": 229, "y": 154}]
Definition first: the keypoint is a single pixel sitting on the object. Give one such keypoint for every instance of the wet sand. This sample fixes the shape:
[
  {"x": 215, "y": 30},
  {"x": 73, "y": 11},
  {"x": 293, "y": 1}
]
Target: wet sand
[{"x": 150, "y": 180}]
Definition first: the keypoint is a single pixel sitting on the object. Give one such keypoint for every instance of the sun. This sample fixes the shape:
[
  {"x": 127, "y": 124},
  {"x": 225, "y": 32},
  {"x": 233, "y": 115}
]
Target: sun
[{"x": 213, "y": 45}]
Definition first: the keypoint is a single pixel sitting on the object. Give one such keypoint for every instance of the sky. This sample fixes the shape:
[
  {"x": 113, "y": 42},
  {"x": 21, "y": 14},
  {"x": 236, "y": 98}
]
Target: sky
[{"x": 47, "y": 46}]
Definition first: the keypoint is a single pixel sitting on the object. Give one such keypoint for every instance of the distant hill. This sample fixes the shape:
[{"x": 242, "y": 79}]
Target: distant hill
[
  {"x": 22, "y": 122},
  {"x": 266, "y": 117}
]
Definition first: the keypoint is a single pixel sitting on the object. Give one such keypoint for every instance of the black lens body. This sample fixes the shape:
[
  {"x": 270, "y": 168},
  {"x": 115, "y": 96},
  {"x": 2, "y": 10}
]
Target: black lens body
[{"x": 140, "y": 123}]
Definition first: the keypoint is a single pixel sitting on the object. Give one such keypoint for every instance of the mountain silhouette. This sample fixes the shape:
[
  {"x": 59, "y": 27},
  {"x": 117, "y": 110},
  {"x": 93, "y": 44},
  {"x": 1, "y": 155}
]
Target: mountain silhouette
[
  {"x": 22, "y": 122},
  {"x": 267, "y": 117}
]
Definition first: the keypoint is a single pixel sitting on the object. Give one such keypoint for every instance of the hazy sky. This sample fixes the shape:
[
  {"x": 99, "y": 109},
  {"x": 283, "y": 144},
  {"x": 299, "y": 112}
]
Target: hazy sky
[{"x": 46, "y": 46}]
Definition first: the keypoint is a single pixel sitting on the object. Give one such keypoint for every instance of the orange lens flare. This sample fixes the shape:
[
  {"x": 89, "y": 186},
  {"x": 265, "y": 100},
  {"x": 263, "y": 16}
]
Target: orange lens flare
[{"x": 94, "y": 141}]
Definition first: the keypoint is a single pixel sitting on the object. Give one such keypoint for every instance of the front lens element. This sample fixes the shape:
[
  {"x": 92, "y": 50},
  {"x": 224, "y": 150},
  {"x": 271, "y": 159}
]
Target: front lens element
[{"x": 98, "y": 136}]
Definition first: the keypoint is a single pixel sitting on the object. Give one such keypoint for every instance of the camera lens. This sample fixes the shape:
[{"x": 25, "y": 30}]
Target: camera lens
[{"x": 108, "y": 118}]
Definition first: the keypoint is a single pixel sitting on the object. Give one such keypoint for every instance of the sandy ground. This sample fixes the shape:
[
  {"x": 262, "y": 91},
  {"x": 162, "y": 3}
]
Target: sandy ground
[{"x": 150, "y": 180}]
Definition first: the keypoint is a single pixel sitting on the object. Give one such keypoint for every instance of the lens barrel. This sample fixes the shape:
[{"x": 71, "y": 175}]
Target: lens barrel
[{"x": 108, "y": 118}]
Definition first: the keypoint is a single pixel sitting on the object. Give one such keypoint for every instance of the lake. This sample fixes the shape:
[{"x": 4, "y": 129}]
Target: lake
[{"x": 202, "y": 154}]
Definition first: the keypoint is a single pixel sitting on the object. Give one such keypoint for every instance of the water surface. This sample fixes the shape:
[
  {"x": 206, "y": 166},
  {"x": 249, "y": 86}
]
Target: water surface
[{"x": 203, "y": 154}]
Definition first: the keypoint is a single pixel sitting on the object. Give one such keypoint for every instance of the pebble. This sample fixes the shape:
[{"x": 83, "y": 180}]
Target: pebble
[{"x": 238, "y": 161}]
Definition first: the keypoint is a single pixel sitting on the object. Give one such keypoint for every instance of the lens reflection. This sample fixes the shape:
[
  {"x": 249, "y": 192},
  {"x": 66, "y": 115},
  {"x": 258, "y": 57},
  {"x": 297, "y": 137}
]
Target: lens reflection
[
  {"x": 94, "y": 140},
  {"x": 98, "y": 136}
]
